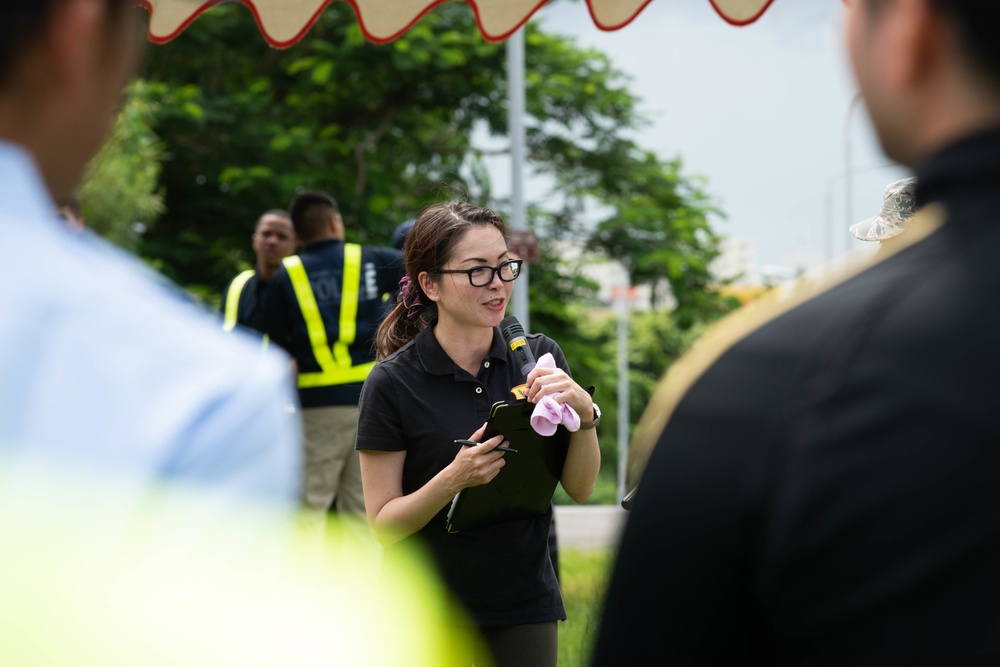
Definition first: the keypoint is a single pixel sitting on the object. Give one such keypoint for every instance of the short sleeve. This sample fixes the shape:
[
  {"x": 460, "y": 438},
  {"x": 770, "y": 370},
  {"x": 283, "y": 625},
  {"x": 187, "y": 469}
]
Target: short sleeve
[
  {"x": 543, "y": 344},
  {"x": 379, "y": 424}
]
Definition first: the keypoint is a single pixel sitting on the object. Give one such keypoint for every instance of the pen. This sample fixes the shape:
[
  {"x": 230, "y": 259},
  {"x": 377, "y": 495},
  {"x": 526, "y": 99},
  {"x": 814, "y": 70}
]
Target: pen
[{"x": 470, "y": 443}]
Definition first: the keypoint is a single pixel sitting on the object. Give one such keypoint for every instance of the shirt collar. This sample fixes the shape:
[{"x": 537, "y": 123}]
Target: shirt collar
[
  {"x": 437, "y": 362},
  {"x": 969, "y": 165},
  {"x": 321, "y": 243}
]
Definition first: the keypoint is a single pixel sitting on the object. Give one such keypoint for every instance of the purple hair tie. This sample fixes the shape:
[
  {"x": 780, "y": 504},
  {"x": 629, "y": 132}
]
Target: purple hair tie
[{"x": 409, "y": 295}]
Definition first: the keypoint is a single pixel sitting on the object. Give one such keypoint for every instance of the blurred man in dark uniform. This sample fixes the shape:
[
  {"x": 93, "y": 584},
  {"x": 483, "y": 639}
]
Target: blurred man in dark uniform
[
  {"x": 273, "y": 239},
  {"x": 824, "y": 488}
]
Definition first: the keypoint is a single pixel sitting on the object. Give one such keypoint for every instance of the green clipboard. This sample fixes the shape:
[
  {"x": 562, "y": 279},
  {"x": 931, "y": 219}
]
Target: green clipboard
[{"x": 525, "y": 485}]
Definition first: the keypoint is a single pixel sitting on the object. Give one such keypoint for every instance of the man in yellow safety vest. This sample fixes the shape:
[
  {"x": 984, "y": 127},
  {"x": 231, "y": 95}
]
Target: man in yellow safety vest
[
  {"x": 323, "y": 307},
  {"x": 273, "y": 240}
]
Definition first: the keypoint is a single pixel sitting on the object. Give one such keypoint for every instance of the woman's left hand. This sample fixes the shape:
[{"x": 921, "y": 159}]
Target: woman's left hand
[{"x": 557, "y": 383}]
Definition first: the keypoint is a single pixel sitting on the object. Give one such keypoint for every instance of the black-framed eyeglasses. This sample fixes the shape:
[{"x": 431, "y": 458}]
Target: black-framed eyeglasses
[{"x": 481, "y": 276}]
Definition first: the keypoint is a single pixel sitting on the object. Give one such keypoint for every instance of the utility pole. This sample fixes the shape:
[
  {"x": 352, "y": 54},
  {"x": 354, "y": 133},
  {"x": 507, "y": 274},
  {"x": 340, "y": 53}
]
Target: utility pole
[
  {"x": 515, "y": 124},
  {"x": 623, "y": 300}
]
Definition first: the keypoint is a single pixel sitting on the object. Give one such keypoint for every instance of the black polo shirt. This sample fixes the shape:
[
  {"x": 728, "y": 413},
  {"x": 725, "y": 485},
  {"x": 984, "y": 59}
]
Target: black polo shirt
[
  {"x": 419, "y": 401},
  {"x": 827, "y": 492},
  {"x": 282, "y": 317}
]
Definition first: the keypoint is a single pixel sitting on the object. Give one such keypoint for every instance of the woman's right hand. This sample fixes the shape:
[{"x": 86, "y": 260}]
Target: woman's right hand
[{"x": 478, "y": 465}]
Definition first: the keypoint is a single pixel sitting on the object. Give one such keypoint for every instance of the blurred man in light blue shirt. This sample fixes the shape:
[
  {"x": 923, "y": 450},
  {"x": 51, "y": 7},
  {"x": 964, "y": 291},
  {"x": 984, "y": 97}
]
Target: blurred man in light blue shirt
[{"x": 104, "y": 369}]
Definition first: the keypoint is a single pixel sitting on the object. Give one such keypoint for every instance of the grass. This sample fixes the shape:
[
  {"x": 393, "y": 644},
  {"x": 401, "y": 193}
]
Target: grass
[{"x": 584, "y": 576}]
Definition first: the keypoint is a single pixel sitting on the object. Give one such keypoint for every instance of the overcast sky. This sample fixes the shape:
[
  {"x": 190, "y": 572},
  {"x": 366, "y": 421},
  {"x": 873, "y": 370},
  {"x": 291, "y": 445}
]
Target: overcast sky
[{"x": 761, "y": 112}]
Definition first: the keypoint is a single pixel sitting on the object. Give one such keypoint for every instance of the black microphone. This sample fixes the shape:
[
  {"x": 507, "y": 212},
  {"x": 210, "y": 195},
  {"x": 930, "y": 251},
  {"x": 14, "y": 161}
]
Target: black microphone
[{"x": 513, "y": 335}]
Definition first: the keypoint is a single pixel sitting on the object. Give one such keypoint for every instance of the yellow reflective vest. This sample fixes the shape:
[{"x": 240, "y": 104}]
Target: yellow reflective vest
[
  {"x": 229, "y": 318},
  {"x": 233, "y": 299},
  {"x": 334, "y": 361}
]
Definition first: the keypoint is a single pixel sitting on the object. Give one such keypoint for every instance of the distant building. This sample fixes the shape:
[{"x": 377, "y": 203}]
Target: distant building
[
  {"x": 737, "y": 262},
  {"x": 611, "y": 275}
]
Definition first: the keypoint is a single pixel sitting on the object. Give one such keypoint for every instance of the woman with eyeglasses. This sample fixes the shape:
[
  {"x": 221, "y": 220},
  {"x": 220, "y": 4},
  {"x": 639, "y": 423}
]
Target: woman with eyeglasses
[{"x": 442, "y": 365}]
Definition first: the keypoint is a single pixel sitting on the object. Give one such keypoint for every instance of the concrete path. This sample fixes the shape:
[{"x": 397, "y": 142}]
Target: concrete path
[{"x": 589, "y": 526}]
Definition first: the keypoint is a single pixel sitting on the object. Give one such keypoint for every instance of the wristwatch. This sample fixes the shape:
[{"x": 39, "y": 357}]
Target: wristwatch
[{"x": 597, "y": 420}]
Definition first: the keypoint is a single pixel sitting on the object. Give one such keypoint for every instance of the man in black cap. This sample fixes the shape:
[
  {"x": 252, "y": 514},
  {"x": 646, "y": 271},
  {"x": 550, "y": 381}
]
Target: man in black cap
[
  {"x": 273, "y": 239},
  {"x": 400, "y": 233},
  {"x": 823, "y": 487}
]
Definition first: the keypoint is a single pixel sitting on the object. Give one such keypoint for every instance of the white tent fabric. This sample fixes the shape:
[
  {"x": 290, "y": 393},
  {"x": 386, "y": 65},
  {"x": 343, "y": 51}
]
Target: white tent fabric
[{"x": 284, "y": 22}]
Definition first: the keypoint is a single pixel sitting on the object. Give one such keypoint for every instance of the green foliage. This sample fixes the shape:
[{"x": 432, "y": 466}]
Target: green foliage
[
  {"x": 121, "y": 186},
  {"x": 584, "y": 579},
  {"x": 659, "y": 231},
  {"x": 387, "y": 129},
  {"x": 654, "y": 343}
]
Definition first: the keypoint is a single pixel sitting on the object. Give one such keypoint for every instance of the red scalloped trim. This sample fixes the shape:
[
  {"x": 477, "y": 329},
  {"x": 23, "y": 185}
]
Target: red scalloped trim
[
  {"x": 741, "y": 23},
  {"x": 208, "y": 4},
  {"x": 396, "y": 35},
  {"x": 610, "y": 28},
  {"x": 472, "y": 4},
  {"x": 299, "y": 35}
]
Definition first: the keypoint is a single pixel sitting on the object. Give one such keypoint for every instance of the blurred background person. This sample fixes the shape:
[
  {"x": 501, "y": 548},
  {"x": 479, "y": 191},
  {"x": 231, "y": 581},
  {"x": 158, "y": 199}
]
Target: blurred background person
[
  {"x": 148, "y": 467},
  {"x": 401, "y": 232},
  {"x": 103, "y": 371},
  {"x": 273, "y": 240},
  {"x": 823, "y": 487},
  {"x": 398, "y": 242}
]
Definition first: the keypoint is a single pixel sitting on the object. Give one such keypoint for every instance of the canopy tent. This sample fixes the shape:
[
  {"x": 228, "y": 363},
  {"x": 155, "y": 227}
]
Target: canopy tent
[{"x": 284, "y": 22}]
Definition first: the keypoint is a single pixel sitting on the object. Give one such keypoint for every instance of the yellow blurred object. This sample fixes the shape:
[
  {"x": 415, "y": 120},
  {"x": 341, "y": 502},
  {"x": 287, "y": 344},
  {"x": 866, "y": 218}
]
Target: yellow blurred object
[
  {"x": 745, "y": 293},
  {"x": 92, "y": 578}
]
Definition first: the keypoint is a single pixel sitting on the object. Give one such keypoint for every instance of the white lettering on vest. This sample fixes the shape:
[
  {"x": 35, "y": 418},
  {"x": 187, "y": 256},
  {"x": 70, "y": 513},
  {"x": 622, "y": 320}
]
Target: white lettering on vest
[{"x": 371, "y": 282}]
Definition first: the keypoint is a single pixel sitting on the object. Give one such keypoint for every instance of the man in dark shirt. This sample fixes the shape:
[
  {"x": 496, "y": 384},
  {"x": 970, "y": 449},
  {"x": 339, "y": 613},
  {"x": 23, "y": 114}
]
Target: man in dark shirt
[
  {"x": 823, "y": 488},
  {"x": 323, "y": 308},
  {"x": 273, "y": 240}
]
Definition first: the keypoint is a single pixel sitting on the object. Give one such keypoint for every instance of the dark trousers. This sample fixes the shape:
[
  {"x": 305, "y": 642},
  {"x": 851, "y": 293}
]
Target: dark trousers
[{"x": 530, "y": 645}]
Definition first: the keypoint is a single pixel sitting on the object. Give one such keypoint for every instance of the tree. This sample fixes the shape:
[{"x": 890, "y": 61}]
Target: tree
[
  {"x": 120, "y": 192},
  {"x": 388, "y": 129},
  {"x": 659, "y": 231},
  {"x": 380, "y": 127}
]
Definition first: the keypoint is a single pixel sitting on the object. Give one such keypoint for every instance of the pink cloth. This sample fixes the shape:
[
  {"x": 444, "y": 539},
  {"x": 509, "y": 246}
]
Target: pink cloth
[{"x": 549, "y": 412}]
